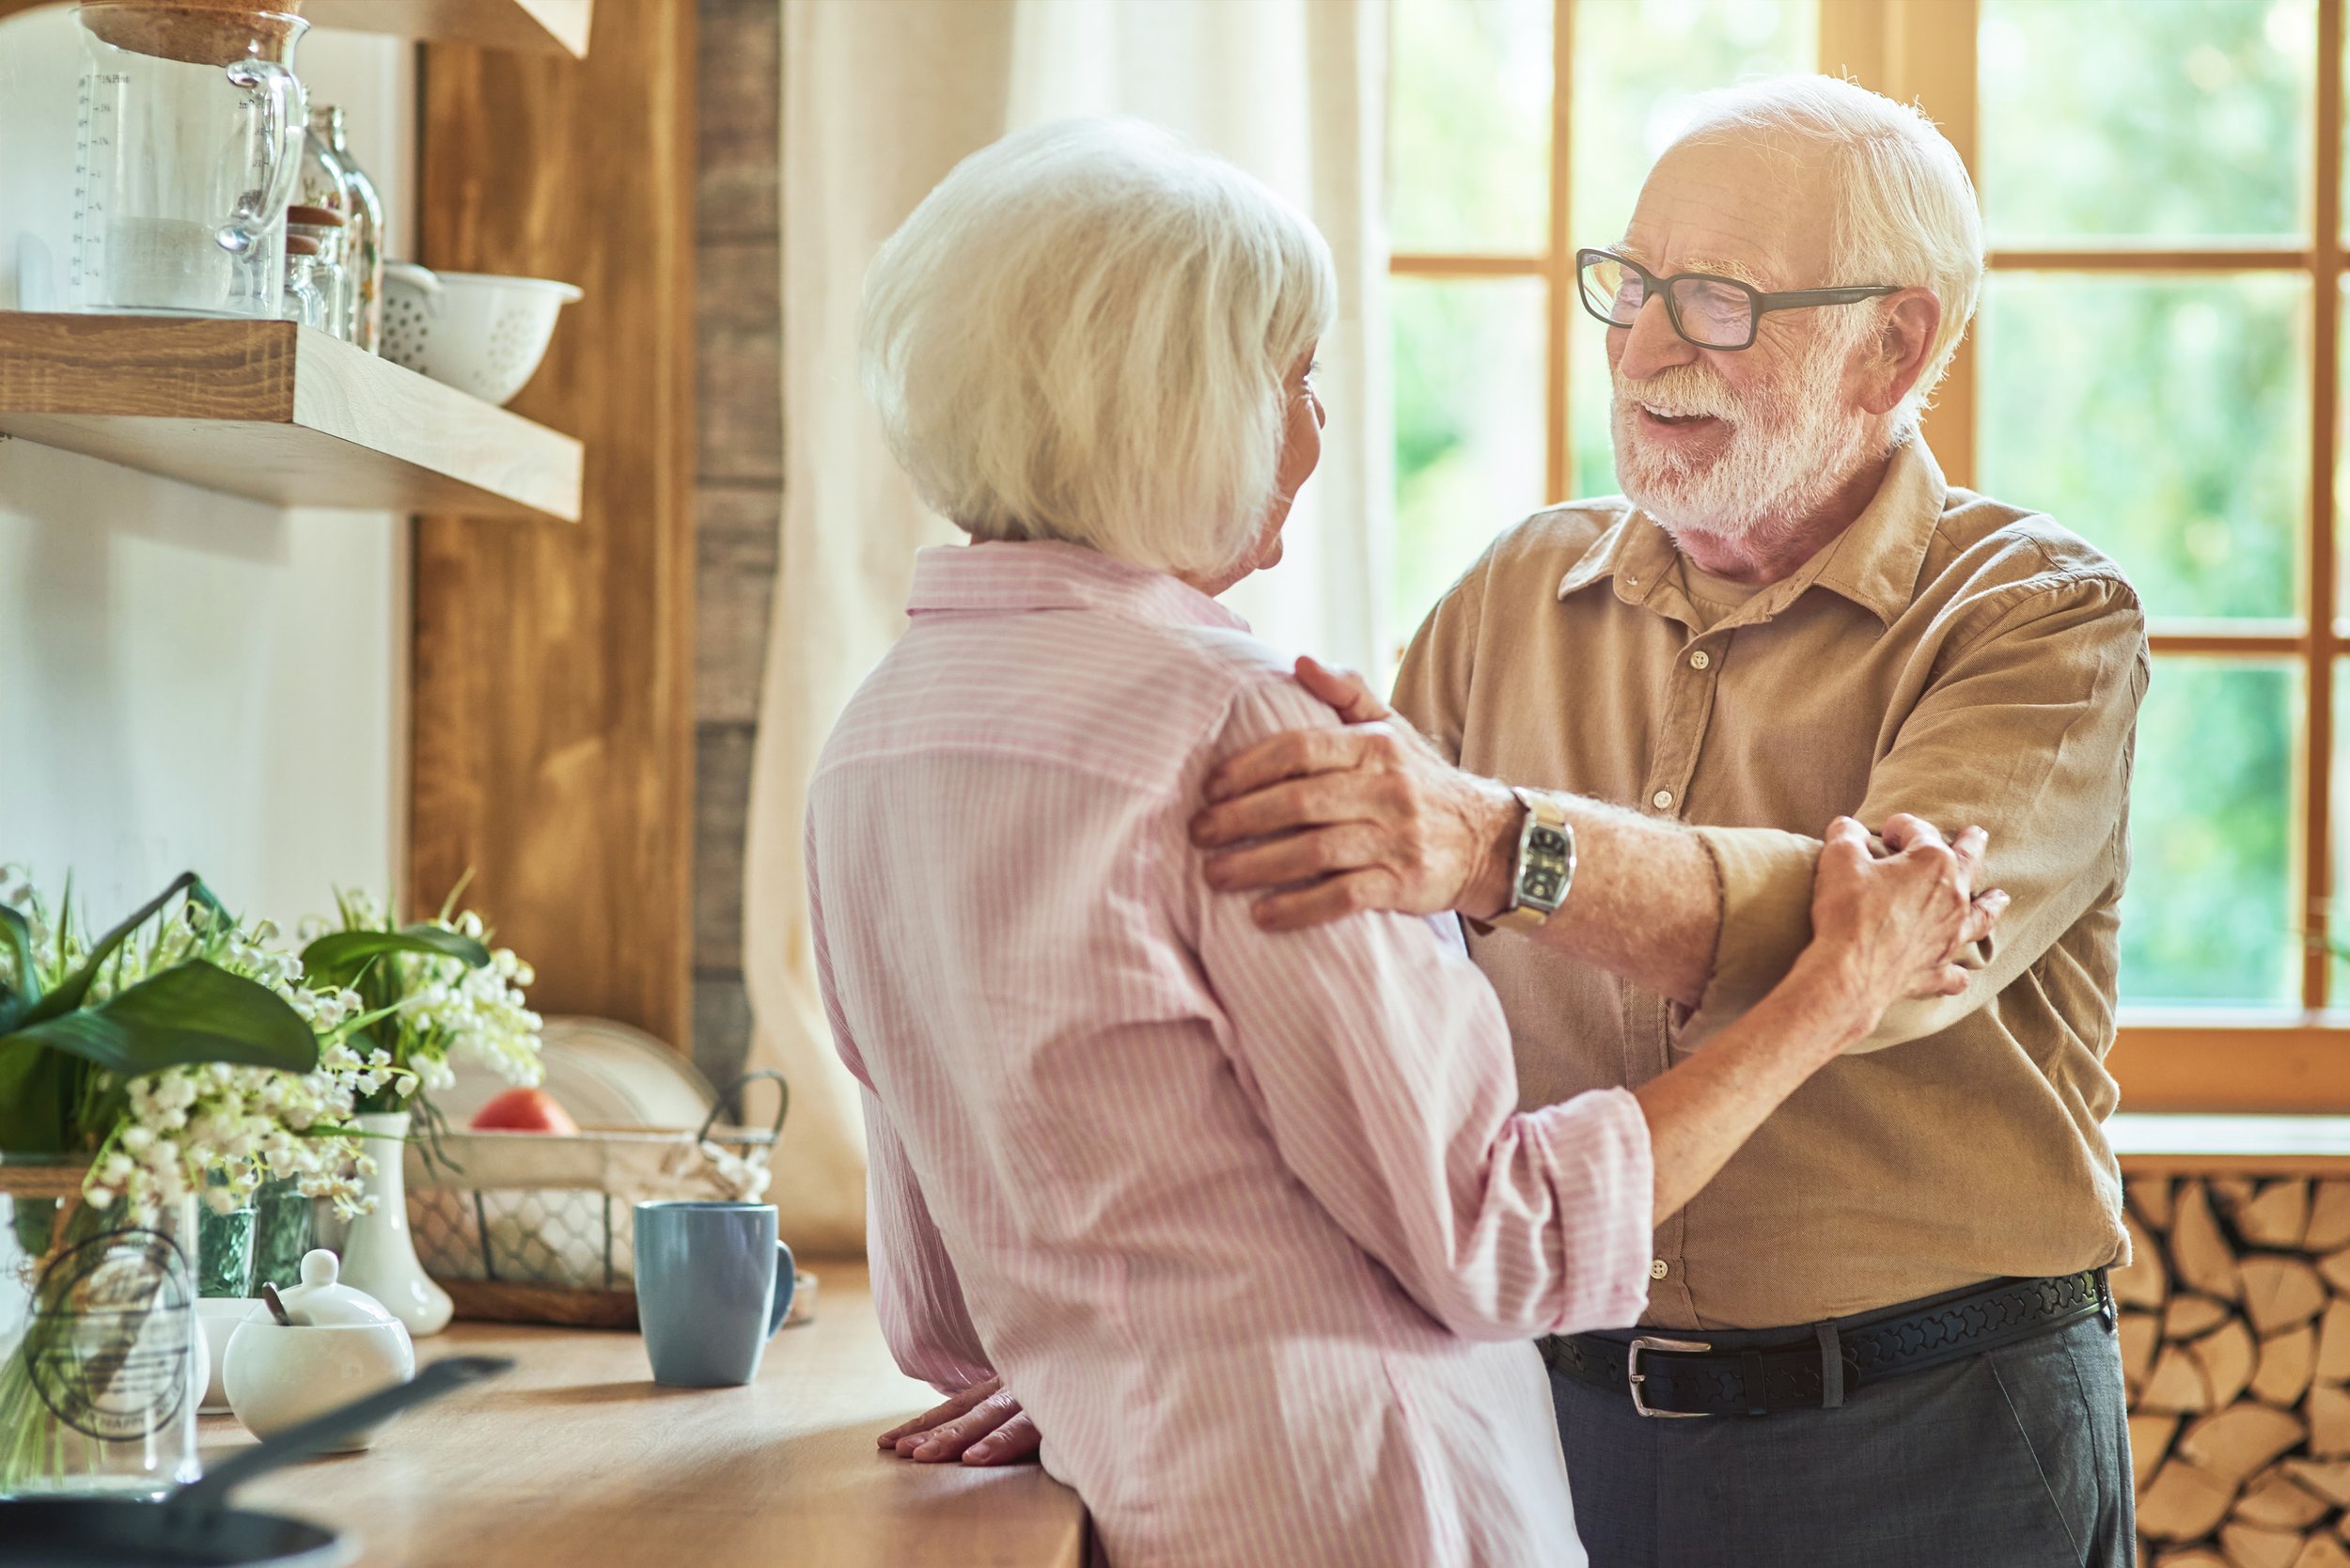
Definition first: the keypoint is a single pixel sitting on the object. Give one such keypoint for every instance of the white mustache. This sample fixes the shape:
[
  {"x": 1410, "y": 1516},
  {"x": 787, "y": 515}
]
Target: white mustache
[{"x": 1680, "y": 398}]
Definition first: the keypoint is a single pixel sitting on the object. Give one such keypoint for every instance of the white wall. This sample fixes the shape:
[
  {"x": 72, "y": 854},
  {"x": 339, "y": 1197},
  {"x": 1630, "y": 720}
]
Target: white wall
[{"x": 188, "y": 680}]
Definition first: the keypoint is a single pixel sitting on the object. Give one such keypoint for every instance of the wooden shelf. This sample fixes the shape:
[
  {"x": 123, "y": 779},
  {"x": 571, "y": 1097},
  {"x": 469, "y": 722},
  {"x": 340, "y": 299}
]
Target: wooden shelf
[
  {"x": 533, "y": 26},
  {"x": 277, "y": 412}
]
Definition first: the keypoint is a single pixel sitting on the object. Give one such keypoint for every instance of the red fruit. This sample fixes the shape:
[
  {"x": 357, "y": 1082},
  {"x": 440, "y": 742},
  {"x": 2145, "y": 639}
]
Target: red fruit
[{"x": 524, "y": 1110}]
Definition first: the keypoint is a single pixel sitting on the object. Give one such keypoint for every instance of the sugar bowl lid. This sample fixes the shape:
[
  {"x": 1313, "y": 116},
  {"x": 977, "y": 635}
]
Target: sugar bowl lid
[{"x": 322, "y": 1301}]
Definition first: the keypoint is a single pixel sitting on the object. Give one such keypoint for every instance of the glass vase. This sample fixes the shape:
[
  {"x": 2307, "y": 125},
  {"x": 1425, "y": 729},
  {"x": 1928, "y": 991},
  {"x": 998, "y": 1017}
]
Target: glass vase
[
  {"x": 379, "y": 1256},
  {"x": 224, "y": 1251},
  {"x": 281, "y": 1233},
  {"x": 98, "y": 1358}
]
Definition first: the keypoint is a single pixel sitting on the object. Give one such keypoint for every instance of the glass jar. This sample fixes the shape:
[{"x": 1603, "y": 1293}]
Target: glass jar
[
  {"x": 363, "y": 246},
  {"x": 306, "y": 298},
  {"x": 324, "y": 187},
  {"x": 97, "y": 1348}
]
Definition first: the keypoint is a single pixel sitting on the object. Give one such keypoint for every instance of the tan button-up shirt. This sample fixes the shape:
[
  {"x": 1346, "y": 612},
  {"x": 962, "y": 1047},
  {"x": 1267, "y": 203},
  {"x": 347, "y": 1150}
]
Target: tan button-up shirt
[{"x": 1945, "y": 656}]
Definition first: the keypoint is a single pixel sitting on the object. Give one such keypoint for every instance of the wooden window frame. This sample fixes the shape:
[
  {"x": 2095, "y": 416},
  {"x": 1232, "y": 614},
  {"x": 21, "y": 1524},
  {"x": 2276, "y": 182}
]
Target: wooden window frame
[{"x": 1924, "y": 51}]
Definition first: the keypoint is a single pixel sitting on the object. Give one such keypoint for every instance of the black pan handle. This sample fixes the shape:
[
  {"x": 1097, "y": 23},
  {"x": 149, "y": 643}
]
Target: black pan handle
[{"x": 443, "y": 1376}]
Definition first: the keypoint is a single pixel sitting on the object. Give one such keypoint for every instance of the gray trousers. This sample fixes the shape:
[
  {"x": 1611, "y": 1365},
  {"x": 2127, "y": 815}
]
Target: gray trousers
[{"x": 2016, "y": 1458}]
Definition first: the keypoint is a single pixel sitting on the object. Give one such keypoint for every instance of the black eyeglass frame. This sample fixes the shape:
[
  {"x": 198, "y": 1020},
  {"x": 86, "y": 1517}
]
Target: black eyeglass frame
[{"x": 1758, "y": 303}]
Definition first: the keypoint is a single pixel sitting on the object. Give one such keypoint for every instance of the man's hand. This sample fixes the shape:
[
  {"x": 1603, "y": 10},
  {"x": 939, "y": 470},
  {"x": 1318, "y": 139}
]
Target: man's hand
[
  {"x": 1894, "y": 925},
  {"x": 1367, "y": 816},
  {"x": 981, "y": 1425}
]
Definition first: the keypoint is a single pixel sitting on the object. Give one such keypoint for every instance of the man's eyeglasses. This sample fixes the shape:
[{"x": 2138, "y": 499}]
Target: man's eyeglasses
[{"x": 1710, "y": 311}]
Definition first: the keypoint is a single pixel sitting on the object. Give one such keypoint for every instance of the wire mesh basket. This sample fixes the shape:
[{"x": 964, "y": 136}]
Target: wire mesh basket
[{"x": 540, "y": 1227}]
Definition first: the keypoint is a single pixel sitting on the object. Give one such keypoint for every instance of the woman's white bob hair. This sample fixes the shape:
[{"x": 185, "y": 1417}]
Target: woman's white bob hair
[{"x": 1084, "y": 333}]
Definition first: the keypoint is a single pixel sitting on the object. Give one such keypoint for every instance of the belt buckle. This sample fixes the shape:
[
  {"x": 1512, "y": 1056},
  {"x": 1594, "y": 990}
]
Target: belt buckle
[{"x": 1634, "y": 1376}]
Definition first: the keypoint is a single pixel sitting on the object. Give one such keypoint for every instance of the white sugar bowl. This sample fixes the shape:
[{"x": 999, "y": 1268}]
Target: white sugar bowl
[
  {"x": 216, "y": 1319},
  {"x": 341, "y": 1346}
]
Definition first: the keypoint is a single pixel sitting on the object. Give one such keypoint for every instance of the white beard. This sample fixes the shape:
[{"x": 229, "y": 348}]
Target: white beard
[{"x": 1790, "y": 448}]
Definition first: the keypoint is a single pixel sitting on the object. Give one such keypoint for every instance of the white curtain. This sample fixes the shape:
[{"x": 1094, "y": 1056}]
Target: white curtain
[{"x": 881, "y": 97}]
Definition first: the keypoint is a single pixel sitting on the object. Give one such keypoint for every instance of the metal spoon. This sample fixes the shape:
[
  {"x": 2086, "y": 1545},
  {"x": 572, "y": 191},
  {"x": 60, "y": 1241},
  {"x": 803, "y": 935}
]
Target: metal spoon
[{"x": 276, "y": 1307}]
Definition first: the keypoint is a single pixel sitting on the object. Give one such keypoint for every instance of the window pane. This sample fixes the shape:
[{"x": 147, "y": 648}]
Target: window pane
[
  {"x": 1636, "y": 64},
  {"x": 2208, "y": 913},
  {"x": 2166, "y": 420},
  {"x": 1469, "y": 126},
  {"x": 2164, "y": 118},
  {"x": 1468, "y": 426}
]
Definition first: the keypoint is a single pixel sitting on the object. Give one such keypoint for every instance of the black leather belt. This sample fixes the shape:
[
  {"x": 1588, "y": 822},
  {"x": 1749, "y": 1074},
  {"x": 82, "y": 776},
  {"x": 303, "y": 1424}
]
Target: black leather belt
[{"x": 1680, "y": 1373}]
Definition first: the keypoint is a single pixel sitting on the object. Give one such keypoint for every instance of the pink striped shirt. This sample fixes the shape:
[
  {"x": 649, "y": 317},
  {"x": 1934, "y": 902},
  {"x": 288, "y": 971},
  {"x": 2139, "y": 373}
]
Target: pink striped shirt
[{"x": 1250, "y": 1223}]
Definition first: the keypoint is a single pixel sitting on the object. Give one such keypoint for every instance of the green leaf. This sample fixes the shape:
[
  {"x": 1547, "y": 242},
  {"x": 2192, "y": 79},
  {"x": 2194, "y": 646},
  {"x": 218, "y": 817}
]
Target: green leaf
[
  {"x": 38, "y": 1090},
  {"x": 339, "y": 957},
  {"x": 18, "y": 932},
  {"x": 74, "y": 987},
  {"x": 35, "y": 1220},
  {"x": 191, "y": 1013}
]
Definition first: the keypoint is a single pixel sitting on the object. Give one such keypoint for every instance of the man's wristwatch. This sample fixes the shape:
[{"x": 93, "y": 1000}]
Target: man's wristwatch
[{"x": 1546, "y": 863}]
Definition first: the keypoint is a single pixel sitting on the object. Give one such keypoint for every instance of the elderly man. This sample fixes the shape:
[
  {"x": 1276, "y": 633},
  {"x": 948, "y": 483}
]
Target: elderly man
[{"x": 1886, "y": 1317}]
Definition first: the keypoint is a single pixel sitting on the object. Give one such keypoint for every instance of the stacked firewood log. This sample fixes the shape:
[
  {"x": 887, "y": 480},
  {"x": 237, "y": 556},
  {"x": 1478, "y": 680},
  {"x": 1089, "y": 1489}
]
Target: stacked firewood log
[{"x": 2235, "y": 1341}]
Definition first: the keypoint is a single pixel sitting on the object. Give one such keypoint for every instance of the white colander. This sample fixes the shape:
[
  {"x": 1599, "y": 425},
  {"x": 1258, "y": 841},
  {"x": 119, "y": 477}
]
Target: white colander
[{"x": 476, "y": 332}]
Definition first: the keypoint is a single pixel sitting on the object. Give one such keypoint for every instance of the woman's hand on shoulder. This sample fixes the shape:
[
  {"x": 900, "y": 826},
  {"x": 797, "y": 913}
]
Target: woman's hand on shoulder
[
  {"x": 981, "y": 1425},
  {"x": 1898, "y": 924}
]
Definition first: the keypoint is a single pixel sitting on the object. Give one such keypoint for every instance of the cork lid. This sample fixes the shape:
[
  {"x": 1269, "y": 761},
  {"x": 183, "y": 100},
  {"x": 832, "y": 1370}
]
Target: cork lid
[{"x": 198, "y": 32}]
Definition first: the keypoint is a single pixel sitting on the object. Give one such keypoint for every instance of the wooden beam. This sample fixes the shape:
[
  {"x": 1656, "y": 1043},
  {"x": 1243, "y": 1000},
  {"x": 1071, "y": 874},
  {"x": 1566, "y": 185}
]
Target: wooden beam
[
  {"x": 2128, "y": 258},
  {"x": 2317, "y": 738},
  {"x": 1559, "y": 476},
  {"x": 2245, "y": 639},
  {"x": 2298, "y": 1067},
  {"x": 552, "y": 692},
  {"x": 1920, "y": 52},
  {"x": 1415, "y": 265}
]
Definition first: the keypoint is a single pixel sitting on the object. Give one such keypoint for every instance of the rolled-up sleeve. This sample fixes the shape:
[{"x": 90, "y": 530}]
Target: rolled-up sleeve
[
  {"x": 1379, "y": 1058},
  {"x": 2026, "y": 729}
]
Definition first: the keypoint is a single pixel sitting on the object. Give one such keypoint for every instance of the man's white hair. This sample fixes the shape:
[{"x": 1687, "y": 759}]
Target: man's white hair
[
  {"x": 1084, "y": 333},
  {"x": 1906, "y": 213}
]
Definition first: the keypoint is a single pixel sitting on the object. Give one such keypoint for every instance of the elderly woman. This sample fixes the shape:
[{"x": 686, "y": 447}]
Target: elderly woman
[{"x": 1203, "y": 1194}]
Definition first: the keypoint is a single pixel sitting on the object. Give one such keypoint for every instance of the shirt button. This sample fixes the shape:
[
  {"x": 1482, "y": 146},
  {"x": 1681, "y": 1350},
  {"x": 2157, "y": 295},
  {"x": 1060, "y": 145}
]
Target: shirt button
[
  {"x": 1658, "y": 1268},
  {"x": 1700, "y": 659},
  {"x": 1662, "y": 800}
]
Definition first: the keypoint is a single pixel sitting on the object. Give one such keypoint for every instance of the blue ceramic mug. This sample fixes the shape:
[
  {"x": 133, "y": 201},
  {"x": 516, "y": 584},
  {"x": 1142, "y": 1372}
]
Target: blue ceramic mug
[{"x": 713, "y": 1286}]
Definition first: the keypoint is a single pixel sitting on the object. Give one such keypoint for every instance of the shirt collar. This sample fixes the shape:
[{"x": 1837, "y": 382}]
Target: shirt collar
[
  {"x": 1004, "y": 577},
  {"x": 1874, "y": 562}
]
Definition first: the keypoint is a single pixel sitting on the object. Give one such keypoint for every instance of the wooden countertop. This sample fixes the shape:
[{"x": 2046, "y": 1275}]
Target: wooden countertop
[{"x": 577, "y": 1458}]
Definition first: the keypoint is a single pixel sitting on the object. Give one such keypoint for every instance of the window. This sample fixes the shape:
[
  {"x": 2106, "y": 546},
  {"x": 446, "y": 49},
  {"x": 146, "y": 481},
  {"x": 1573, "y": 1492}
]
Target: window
[{"x": 2155, "y": 363}]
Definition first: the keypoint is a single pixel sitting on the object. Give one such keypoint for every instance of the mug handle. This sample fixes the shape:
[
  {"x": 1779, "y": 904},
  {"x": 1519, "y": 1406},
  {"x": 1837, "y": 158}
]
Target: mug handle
[{"x": 785, "y": 1276}]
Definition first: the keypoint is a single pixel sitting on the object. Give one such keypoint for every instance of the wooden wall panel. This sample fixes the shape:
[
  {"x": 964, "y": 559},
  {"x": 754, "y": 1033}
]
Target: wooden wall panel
[
  {"x": 738, "y": 483},
  {"x": 553, "y": 693}
]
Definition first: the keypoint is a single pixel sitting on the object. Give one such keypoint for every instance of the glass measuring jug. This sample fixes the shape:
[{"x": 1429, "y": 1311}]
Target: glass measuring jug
[{"x": 187, "y": 143}]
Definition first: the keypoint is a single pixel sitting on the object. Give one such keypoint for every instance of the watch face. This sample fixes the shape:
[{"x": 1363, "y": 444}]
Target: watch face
[
  {"x": 1547, "y": 840},
  {"x": 1541, "y": 884}
]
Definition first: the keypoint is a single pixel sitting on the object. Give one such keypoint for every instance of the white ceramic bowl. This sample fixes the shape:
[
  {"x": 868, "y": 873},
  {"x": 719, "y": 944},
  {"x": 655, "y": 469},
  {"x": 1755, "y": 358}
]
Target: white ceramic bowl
[
  {"x": 278, "y": 1376},
  {"x": 478, "y": 332},
  {"x": 216, "y": 1320}
]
